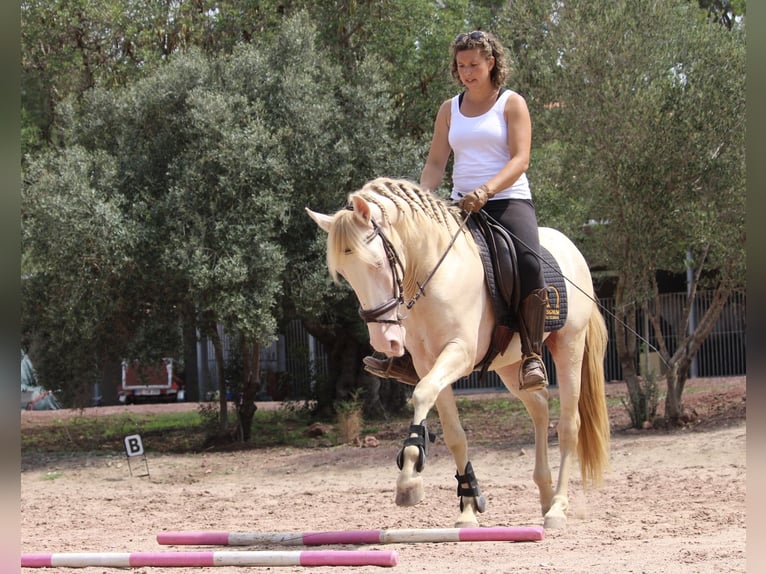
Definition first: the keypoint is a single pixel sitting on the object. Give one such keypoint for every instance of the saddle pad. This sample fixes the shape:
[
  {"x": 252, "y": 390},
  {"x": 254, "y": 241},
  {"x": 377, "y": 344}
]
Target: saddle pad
[{"x": 556, "y": 310}]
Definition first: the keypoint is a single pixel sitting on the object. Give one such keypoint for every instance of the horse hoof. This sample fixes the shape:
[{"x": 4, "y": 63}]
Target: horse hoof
[
  {"x": 555, "y": 521},
  {"x": 409, "y": 492},
  {"x": 467, "y": 523}
]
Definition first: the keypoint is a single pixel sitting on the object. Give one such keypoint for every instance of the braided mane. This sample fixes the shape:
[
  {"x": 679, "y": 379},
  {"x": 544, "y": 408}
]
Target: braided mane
[{"x": 418, "y": 212}]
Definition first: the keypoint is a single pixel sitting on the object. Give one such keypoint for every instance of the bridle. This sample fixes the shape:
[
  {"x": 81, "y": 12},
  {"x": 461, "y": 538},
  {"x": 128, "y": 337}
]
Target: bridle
[{"x": 395, "y": 263}]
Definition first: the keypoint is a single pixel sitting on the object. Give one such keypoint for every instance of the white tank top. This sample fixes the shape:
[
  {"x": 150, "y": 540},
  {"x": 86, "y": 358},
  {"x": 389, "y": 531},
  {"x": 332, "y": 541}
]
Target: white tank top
[{"x": 480, "y": 145}]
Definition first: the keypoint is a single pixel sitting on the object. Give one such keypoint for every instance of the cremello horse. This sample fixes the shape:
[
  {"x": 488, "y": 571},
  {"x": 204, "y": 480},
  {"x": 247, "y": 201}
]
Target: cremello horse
[{"x": 385, "y": 243}]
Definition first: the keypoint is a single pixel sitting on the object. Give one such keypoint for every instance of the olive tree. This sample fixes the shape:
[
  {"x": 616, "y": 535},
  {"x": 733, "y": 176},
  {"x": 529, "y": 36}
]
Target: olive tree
[{"x": 649, "y": 123}]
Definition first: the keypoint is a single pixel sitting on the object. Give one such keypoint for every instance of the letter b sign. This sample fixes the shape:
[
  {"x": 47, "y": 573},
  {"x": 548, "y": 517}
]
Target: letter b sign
[{"x": 133, "y": 446}]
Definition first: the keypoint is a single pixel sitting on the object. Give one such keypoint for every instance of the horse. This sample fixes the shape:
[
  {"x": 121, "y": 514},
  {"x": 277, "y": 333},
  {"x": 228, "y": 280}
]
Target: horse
[{"x": 420, "y": 282}]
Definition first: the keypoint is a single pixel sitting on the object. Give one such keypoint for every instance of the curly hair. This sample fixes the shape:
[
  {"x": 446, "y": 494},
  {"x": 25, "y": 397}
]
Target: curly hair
[{"x": 488, "y": 45}]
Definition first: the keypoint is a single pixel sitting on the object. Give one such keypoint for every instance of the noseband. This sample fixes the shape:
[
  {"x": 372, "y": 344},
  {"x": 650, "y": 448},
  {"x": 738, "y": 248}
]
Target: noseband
[{"x": 397, "y": 271}]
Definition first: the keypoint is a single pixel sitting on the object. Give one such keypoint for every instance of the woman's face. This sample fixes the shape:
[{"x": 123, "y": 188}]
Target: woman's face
[{"x": 473, "y": 67}]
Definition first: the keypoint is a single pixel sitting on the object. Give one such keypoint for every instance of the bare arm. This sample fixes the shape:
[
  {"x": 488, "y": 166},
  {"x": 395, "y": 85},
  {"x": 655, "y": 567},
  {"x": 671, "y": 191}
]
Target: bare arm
[
  {"x": 436, "y": 163},
  {"x": 519, "y": 144}
]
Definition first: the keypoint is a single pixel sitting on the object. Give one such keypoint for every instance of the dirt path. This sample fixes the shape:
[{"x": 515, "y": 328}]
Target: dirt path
[{"x": 672, "y": 502}]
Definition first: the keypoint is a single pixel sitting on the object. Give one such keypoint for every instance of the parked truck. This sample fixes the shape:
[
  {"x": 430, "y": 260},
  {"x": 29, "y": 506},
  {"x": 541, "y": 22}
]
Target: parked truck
[{"x": 150, "y": 383}]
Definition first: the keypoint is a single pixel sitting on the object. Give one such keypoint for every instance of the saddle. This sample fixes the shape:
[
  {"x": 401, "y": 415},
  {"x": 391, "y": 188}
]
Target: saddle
[{"x": 501, "y": 273}]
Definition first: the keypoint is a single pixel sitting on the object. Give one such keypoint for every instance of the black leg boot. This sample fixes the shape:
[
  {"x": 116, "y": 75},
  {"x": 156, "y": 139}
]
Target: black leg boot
[
  {"x": 532, "y": 375},
  {"x": 399, "y": 368}
]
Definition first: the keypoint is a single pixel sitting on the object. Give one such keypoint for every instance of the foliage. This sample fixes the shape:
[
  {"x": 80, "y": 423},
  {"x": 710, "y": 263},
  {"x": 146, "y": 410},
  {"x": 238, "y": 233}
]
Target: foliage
[
  {"x": 210, "y": 417},
  {"x": 212, "y": 161},
  {"x": 350, "y": 419},
  {"x": 642, "y": 401},
  {"x": 77, "y": 247},
  {"x": 650, "y": 137},
  {"x": 170, "y": 148}
]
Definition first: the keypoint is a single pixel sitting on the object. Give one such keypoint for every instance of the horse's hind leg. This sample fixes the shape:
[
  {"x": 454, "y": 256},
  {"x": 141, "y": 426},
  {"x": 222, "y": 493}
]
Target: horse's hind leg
[
  {"x": 536, "y": 403},
  {"x": 568, "y": 359}
]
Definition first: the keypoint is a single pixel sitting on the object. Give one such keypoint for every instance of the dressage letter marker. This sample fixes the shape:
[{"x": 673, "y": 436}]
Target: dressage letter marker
[
  {"x": 134, "y": 447},
  {"x": 492, "y": 534},
  {"x": 226, "y": 558}
]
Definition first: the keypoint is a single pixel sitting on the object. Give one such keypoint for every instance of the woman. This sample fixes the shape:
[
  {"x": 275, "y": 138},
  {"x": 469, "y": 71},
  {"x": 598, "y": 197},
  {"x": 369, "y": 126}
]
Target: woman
[{"x": 488, "y": 129}]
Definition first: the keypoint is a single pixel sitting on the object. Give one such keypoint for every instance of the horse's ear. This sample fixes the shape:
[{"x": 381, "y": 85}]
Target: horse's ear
[
  {"x": 361, "y": 208},
  {"x": 322, "y": 220}
]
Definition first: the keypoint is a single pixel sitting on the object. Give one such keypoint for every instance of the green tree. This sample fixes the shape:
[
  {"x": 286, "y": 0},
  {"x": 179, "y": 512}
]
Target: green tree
[
  {"x": 77, "y": 251},
  {"x": 337, "y": 130},
  {"x": 71, "y": 46},
  {"x": 650, "y": 124},
  {"x": 194, "y": 172},
  {"x": 410, "y": 40},
  {"x": 213, "y": 160}
]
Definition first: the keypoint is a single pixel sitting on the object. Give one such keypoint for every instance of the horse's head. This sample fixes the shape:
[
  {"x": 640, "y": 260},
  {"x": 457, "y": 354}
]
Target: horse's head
[{"x": 360, "y": 249}]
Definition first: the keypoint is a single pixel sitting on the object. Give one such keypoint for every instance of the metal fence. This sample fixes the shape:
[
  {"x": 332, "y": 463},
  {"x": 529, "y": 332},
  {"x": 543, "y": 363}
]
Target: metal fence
[
  {"x": 722, "y": 354},
  {"x": 290, "y": 366},
  {"x": 299, "y": 361}
]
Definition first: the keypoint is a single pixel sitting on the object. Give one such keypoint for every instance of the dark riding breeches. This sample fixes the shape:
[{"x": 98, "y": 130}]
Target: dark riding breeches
[{"x": 519, "y": 217}]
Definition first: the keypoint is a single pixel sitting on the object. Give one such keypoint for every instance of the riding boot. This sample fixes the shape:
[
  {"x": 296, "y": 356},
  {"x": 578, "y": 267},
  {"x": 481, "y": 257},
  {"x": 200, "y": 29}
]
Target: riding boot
[
  {"x": 400, "y": 368},
  {"x": 532, "y": 375}
]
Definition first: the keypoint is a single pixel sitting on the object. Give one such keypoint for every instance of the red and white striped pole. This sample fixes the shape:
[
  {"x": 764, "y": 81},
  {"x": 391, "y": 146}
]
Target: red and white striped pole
[
  {"x": 478, "y": 534},
  {"x": 225, "y": 558}
]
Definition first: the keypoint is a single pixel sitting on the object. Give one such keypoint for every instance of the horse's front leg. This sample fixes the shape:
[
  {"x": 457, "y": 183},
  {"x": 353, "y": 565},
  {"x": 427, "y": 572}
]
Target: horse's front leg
[
  {"x": 471, "y": 499},
  {"x": 411, "y": 461},
  {"x": 448, "y": 367}
]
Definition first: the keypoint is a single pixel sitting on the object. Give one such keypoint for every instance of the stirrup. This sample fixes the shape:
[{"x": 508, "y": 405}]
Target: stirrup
[{"x": 533, "y": 385}]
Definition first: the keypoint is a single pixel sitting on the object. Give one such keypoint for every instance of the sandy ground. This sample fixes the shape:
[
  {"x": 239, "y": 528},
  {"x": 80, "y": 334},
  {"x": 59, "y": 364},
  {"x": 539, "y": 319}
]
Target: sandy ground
[{"x": 672, "y": 502}]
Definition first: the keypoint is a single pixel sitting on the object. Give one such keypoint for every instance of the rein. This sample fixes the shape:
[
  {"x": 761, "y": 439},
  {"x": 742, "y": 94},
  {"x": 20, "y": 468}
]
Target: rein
[{"x": 395, "y": 262}]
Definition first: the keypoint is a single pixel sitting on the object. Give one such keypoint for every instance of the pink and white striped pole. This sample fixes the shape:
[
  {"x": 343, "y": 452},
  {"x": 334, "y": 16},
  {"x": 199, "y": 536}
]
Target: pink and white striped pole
[
  {"x": 478, "y": 534},
  {"x": 225, "y": 558}
]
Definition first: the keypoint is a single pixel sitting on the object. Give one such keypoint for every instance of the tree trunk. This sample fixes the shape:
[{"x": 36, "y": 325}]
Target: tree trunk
[
  {"x": 673, "y": 404},
  {"x": 688, "y": 346},
  {"x": 344, "y": 360},
  {"x": 251, "y": 382},
  {"x": 382, "y": 397},
  {"x": 223, "y": 420},
  {"x": 191, "y": 375},
  {"x": 625, "y": 326},
  {"x": 346, "y": 373}
]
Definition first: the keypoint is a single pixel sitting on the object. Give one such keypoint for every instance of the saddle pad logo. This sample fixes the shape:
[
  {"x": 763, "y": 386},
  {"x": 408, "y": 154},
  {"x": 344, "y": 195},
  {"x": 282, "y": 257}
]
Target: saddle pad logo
[{"x": 553, "y": 306}]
